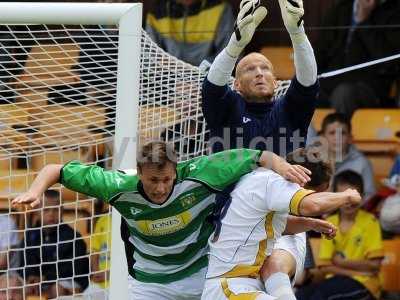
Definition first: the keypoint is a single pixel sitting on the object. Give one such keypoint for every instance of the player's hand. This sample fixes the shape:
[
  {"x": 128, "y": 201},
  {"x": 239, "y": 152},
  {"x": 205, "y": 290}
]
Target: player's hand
[
  {"x": 338, "y": 259},
  {"x": 295, "y": 173},
  {"x": 327, "y": 229},
  {"x": 353, "y": 197},
  {"x": 292, "y": 14},
  {"x": 250, "y": 16},
  {"x": 27, "y": 198}
]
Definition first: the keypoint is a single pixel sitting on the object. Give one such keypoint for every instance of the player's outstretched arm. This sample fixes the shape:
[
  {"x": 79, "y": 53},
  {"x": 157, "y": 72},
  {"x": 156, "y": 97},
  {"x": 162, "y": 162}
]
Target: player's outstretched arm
[
  {"x": 294, "y": 173},
  {"x": 250, "y": 16},
  {"x": 317, "y": 204},
  {"x": 48, "y": 176},
  {"x": 304, "y": 60},
  {"x": 302, "y": 224}
]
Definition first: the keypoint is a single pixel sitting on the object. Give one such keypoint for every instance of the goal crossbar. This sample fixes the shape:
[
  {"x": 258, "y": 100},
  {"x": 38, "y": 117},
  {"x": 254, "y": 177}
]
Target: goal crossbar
[{"x": 65, "y": 13}]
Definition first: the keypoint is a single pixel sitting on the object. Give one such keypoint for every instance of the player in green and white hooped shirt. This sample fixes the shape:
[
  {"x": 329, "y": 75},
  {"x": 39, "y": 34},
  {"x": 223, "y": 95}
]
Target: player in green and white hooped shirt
[{"x": 165, "y": 207}]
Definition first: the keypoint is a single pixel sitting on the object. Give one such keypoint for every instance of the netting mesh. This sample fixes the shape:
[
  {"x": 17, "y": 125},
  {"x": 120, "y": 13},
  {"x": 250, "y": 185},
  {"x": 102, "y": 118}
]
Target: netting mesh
[{"x": 57, "y": 103}]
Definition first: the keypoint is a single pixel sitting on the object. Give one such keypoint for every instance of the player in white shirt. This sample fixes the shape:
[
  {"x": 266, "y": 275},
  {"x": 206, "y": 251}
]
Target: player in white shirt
[
  {"x": 252, "y": 221},
  {"x": 286, "y": 263}
]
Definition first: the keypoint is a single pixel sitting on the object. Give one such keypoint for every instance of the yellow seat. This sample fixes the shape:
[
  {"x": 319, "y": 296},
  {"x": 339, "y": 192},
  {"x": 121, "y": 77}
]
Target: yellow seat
[
  {"x": 375, "y": 133},
  {"x": 390, "y": 270},
  {"x": 7, "y": 161},
  {"x": 382, "y": 163},
  {"x": 13, "y": 115},
  {"x": 376, "y": 125},
  {"x": 13, "y": 140},
  {"x": 63, "y": 125},
  {"x": 13, "y": 183},
  {"x": 319, "y": 116},
  {"x": 50, "y": 65},
  {"x": 59, "y": 157},
  {"x": 282, "y": 59},
  {"x": 46, "y": 66}
]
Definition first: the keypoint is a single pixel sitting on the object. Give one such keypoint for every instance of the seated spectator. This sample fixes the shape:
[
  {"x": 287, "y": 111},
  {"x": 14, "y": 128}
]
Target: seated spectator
[
  {"x": 11, "y": 286},
  {"x": 100, "y": 247},
  {"x": 9, "y": 239},
  {"x": 191, "y": 30},
  {"x": 55, "y": 253},
  {"x": 351, "y": 261},
  {"x": 336, "y": 131},
  {"x": 335, "y": 49}
]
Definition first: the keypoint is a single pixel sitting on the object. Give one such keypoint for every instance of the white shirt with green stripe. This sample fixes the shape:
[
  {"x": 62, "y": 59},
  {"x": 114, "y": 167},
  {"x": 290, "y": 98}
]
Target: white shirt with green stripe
[{"x": 170, "y": 240}]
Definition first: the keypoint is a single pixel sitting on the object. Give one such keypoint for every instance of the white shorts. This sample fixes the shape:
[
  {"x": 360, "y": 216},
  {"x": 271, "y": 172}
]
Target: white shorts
[
  {"x": 295, "y": 245},
  {"x": 234, "y": 288},
  {"x": 189, "y": 288}
]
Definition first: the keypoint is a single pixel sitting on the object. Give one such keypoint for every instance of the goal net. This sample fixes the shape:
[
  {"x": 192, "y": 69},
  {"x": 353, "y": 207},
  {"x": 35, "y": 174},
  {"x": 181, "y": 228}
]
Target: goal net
[{"x": 58, "y": 96}]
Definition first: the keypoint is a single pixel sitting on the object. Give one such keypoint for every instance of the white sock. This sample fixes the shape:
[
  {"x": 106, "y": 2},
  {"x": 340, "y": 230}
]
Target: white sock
[{"x": 279, "y": 285}]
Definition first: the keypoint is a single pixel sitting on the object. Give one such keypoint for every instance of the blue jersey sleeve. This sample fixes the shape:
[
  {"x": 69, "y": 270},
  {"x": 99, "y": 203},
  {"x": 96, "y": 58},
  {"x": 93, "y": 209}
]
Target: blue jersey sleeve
[{"x": 218, "y": 104}]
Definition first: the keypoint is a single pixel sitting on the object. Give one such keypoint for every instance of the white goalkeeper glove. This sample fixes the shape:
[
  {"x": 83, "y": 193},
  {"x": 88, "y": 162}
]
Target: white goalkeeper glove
[
  {"x": 250, "y": 16},
  {"x": 292, "y": 14}
]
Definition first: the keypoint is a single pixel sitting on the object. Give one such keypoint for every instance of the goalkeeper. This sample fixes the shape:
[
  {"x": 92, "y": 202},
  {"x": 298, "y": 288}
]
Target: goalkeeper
[
  {"x": 252, "y": 118},
  {"x": 165, "y": 207},
  {"x": 251, "y": 106}
]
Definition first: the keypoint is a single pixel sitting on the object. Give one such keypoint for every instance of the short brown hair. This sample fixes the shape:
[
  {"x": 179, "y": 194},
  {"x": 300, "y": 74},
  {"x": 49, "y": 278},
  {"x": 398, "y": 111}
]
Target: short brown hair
[
  {"x": 157, "y": 153},
  {"x": 349, "y": 177},
  {"x": 311, "y": 159},
  {"x": 335, "y": 117}
]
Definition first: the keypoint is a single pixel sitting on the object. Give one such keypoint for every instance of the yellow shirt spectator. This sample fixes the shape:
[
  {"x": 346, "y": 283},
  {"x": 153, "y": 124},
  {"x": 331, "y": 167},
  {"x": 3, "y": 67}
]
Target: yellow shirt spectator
[
  {"x": 101, "y": 245},
  {"x": 362, "y": 241}
]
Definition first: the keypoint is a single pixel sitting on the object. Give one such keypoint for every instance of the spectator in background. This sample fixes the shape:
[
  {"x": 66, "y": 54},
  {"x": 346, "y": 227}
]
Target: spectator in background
[
  {"x": 338, "y": 48},
  {"x": 336, "y": 129},
  {"x": 11, "y": 286},
  {"x": 101, "y": 246},
  {"x": 55, "y": 253},
  {"x": 9, "y": 239},
  {"x": 191, "y": 30},
  {"x": 352, "y": 259}
]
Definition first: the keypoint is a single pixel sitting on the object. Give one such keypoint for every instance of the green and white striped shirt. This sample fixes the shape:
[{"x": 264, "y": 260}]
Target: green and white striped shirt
[{"x": 170, "y": 240}]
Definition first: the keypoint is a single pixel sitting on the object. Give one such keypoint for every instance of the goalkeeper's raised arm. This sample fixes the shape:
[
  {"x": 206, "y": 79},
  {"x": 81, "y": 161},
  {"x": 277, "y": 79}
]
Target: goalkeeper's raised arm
[
  {"x": 251, "y": 14},
  {"x": 304, "y": 60}
]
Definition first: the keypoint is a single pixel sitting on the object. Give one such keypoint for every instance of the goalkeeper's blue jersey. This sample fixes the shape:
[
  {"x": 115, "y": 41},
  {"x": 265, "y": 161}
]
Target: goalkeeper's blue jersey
[
  {"x": 170, "y": 240},
  {"x": 280, "y": 126}
]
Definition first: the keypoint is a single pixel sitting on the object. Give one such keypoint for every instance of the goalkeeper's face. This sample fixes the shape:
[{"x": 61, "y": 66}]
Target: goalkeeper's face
[
  {"x": 157, "y": 181},
  {"x": 255, "y": 79}
]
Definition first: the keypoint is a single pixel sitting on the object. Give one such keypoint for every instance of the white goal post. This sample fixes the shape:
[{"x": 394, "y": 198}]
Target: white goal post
[{"x": 128, "y": 19}]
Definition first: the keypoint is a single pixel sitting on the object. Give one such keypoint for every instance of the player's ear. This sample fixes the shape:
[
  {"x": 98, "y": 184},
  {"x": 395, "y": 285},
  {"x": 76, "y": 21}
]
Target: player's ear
[
  {"x": 275, "y": 83},
  {"x": 236, "y": 84}
]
